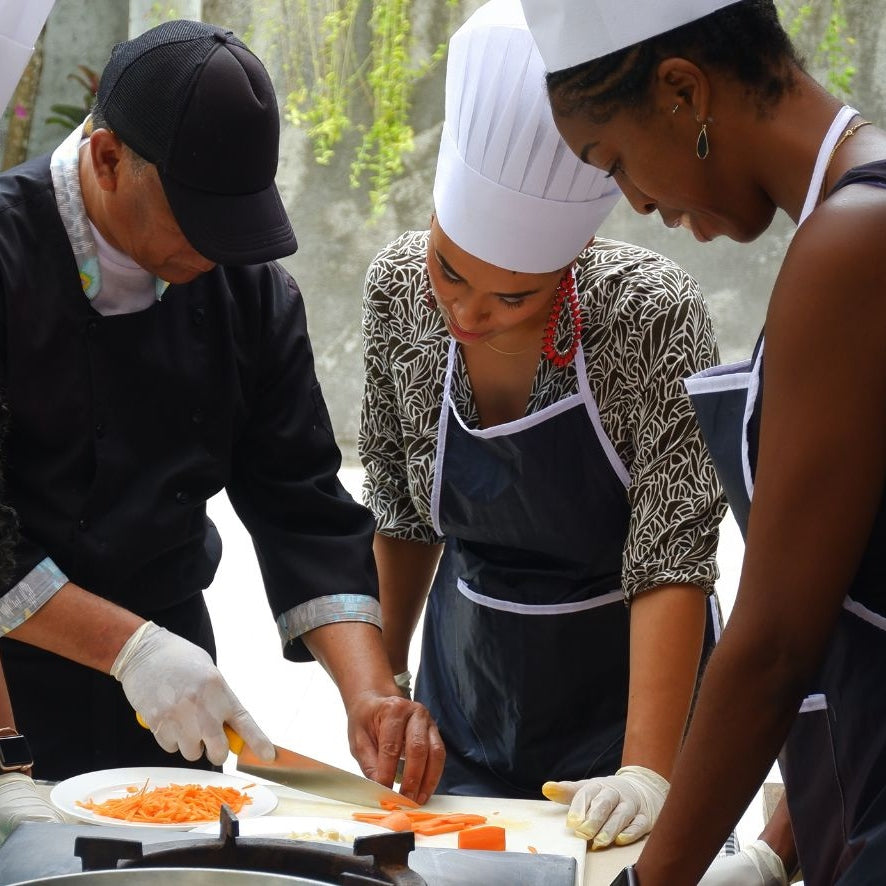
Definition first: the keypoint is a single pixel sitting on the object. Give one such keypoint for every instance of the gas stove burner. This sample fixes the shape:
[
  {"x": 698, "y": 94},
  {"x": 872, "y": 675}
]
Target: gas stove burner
[{"x": 378, "y": 860}]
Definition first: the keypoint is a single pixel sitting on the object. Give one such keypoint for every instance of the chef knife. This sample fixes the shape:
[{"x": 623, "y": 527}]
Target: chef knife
[{"x": 312, "y": 776}]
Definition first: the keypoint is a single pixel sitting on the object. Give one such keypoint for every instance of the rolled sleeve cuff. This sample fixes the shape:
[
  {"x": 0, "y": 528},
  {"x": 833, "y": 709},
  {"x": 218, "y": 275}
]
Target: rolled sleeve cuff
[
  {"x": 297, "y": 621},
  {"x": 19, "y": 603}
]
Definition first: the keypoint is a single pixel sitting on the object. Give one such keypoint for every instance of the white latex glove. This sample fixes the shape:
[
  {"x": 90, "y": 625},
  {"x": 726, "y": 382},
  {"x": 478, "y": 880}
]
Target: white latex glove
[
  {"x": 404, "y": 683},
  {"x": 19, "y": 801},
  {"x": 756, "y": 865},
  {"x": 183, "y": 697},
  {"x": 618, "y": 808}
]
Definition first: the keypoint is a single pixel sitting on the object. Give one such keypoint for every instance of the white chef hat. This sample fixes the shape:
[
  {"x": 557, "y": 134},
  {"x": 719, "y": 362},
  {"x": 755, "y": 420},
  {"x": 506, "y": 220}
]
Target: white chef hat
[
  {"x": 570, "y": 32},
  {"x": 508, "y": 190}
]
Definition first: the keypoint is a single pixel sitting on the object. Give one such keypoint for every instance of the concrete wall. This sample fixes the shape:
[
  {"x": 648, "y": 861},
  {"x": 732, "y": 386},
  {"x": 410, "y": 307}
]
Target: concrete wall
[{"x": 335, "y": 241}]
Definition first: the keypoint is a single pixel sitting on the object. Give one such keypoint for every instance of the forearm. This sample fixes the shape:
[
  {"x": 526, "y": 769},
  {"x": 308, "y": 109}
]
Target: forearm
[
  {"x": 80, "y": 626},
  {"x": 667, "y": 631},
  {"x": 353, "y": 654},
  {"x": 744, "y": 711},
  {"x": 405, "y": 571},
  {"x": 778, "y": 834}
]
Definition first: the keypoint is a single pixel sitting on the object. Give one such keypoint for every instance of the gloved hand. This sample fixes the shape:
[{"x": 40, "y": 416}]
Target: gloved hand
[
  {"x": 19, "y": 801},
  {"x": 404, "y": 683},
  {"x": 756, "y": 865},
  {"x": 618, "y": 808},
  {"x": 183, "y": 697}
]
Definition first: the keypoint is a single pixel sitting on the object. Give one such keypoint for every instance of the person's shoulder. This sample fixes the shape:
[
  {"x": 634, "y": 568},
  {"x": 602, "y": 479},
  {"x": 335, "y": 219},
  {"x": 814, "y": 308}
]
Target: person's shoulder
[
  {"x": 632, "y": 278},
  {"x": 25, "y": 184},
  {"x": 407, "y": 252},
  {"x": 628, "y": 259},
  {"x": 836, "y": 257}
]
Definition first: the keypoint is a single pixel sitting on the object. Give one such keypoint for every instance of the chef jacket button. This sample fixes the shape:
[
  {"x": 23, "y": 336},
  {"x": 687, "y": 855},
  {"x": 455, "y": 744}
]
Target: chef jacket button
[
  {"x": 182, "y": 498},
  {"x": 99, "y": 430},
  {"x": 83, "y": 525},
  {"x": 198, "y": 316},
  {"x": 197, "y": 416},
  {"x": 91, "y": 327}
]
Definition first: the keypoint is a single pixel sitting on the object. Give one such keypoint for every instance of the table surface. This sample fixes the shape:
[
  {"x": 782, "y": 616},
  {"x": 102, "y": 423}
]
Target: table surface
[{"x": 536, "y": 823}]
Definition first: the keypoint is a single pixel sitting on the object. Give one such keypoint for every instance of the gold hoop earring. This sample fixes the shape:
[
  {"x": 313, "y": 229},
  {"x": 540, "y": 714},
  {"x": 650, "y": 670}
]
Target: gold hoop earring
[{"x": 702, "y": 145}]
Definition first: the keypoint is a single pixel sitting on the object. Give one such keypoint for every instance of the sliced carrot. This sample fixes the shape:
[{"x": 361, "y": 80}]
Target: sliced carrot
[
  {"x": 431, "y": 829},
  {"x": 428, "y": 824},
  {"x": 396, "y": 821},
  {"x": 490, "y": 837},
  {"x": 466, "y": 818}
]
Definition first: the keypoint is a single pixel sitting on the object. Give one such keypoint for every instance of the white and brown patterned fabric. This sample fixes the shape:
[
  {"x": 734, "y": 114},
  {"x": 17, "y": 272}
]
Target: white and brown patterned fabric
[{"x": 645, "y": 328}]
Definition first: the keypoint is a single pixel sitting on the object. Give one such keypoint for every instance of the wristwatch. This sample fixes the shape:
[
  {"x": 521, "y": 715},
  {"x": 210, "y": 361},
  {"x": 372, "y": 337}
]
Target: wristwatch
[
  {"x": 15, "y": 752},
  {"x": 628, "y": 877}
]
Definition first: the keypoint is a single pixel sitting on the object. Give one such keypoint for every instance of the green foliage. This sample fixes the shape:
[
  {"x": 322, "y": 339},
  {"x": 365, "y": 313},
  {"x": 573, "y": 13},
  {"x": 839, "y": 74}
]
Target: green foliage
[
  {"x": 159, "y": 13},
  {"x": 71, "y": 116},
  {"x": 833, "y": 50},
  {"x": 344, "y": 82}
]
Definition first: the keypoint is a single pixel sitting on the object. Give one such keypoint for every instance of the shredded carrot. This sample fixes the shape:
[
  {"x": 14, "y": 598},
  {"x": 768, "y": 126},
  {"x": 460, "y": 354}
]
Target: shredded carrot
[
  {"x": 428, "y": 824},
  {"x": 172, "y": 804},
  {"x": 532, "y": 849},
  {"x": 490, "y": 837}
]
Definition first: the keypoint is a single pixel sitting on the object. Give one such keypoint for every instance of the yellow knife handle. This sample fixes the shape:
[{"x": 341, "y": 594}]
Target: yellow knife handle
[{"x": 235, "y": 743}]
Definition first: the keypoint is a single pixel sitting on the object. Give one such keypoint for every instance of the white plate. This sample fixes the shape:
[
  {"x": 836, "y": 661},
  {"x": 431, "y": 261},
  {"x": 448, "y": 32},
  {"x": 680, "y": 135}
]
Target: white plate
[
  {"x": 106, "y": 784},
  {"x": 301, "y": 827}
]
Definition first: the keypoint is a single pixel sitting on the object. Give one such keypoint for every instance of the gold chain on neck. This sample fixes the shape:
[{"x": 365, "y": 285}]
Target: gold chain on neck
[
  {"x": 847, "y": 133},
  {"x": 492, "y": 347}
]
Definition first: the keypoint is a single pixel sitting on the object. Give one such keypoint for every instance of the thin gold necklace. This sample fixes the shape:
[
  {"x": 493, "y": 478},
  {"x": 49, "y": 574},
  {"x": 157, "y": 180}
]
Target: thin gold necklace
[
  {"x": 492, "y": 347},
  {"x": 847, "y": 133}
]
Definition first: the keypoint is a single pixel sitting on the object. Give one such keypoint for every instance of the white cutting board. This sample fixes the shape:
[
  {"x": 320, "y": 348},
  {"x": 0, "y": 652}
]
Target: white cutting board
[{"x": 536, "y": 823}]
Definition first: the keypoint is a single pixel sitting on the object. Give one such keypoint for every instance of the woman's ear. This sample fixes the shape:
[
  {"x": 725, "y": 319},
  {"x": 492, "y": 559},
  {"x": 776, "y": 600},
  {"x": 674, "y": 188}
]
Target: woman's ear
[{"x": 681, "y": 83}]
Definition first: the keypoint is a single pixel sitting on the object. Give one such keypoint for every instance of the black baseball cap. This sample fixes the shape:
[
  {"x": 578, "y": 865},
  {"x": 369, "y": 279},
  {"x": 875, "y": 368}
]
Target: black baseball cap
[{"x": 192, "y": 99}]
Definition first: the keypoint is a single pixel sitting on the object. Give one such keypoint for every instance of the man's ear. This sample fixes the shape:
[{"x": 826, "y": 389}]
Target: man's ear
[{"x": 106, "y": 152}]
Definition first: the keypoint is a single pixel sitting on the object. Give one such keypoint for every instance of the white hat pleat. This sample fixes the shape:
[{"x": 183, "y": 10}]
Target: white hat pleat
[
  {"x": 570, "y": 32},
  {"x": 508, "y": 190}
]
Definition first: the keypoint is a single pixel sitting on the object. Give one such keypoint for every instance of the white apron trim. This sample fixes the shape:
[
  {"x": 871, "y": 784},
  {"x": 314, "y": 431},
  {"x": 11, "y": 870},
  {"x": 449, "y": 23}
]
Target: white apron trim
[
  {"x": 844, "y": 115},
  {"x": 816, "y": 702},
  {"x": 615, "y": 462},
  {"x": 725, "y": 377},
  {"x": 520, "y": 424},
  {"x": 716, "y": 615},
  {"x": 537, "y": 609},
  {"x": 442, "y": 427},
  {"x": 750, "y": 403},
  {"x": 512, "y": 427},
  {"x": 865, "y": 614}
]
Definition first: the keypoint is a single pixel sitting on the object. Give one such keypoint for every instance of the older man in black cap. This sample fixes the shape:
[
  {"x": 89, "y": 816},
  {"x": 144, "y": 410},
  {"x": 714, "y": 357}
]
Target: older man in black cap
[{"x": 155, "y": 354}]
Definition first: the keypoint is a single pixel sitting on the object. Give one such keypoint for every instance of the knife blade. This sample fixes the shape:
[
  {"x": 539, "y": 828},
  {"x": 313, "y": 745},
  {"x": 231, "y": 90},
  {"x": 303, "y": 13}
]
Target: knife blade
[{"x": 312, "y": 776}]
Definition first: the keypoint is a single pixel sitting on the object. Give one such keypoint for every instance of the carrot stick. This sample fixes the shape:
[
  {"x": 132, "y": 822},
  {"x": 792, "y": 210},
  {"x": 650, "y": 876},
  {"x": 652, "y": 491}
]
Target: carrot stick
[
  {"x": 490, "y": 837},
  {"x": 428, "y": 829}
]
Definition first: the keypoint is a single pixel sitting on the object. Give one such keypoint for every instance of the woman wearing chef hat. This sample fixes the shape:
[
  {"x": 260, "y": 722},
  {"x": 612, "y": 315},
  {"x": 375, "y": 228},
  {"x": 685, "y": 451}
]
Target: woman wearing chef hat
[
  {"x": 701, "y": 111},
  {"x": 525, "y": 414}
]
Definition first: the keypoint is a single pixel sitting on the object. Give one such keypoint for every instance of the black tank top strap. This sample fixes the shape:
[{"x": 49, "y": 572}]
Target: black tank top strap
[{"x": 866, "y": 174}]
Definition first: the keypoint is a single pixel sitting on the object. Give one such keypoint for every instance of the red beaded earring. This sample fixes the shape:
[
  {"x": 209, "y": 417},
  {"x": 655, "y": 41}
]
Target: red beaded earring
[
  {"x": 565, "y": 292},
  {"x": 428, "y": 290}
]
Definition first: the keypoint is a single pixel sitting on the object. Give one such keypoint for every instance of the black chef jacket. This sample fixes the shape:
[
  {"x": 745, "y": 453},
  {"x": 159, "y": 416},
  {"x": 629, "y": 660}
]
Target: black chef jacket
[{"x": 121, "y": 428}]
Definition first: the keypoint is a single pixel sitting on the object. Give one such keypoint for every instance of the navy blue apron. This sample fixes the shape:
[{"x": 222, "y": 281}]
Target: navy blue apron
[
  {"x": 525, "y": 651},
  {"x": 834, "y": 760}
]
